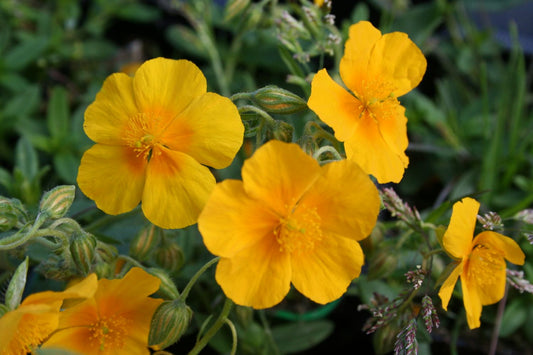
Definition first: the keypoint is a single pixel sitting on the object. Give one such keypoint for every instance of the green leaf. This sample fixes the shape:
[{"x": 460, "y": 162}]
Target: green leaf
[
  {"x": 5, "y": 179},
  {"x": 23, "y": 103},
  {"x": 66, "y": 166},
  {"x": 16, "y": 285},
  {"x": 513, "y": 318},
  {"x": 26, "y": 159},
  {"x": 58, "y": 113},
  {"x": 138, "y": 12},
  {"x": 295, "y": 337},
  {"x": 26, "y": 52}
]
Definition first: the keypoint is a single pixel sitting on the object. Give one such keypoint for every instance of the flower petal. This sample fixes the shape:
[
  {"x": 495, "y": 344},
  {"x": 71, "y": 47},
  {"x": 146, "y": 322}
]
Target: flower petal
[
  {"x": 368, "y": 148},
  {"x": 445, "y": 292},
  {"x": 457, "y": 239},
  {"x": 509, "y": 248},
  {"x": 472, "y": 304},
  {"x": 324, "y": 274},
  {"x": 399, "y": 60},
  {"x": 73, "y": 339},
  {"x": 177, "y": 188},
  {"x": 345, "y": 199},
  {"x": 334, "y": 105},
  {"x": 165, "y": 87},
  {"x": 209, "y": 129},
  {"x": 83, "y": 289},
  {"x": 231, "y": 221},
  {"x": 107, "y": 117},
  {"x": 257, "y": 277},
  {"x": 113, "y": 177},
  {"x": 392, "y": 123},
  {"x": 279, "y": 174}
]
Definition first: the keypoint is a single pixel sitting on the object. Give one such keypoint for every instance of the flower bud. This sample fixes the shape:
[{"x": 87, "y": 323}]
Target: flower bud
[
  {"x": 167, "y": 288},
  {"x": 144, "y": 242},
  {"x": 282, "y": 131},
  {"x": 56, "y": 202},
  {"x": 170, "y": 321},
  {"x": 169, "y": 256},
  {"x": 277, "y": 100},
  {"x": 83, "y": 251},
  {"x": 8, "y": 215}
]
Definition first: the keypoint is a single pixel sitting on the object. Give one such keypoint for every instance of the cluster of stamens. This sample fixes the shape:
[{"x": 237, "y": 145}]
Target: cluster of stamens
[
  {"x": 108, "y": 332},
  {"x": 300, "y": 231}
]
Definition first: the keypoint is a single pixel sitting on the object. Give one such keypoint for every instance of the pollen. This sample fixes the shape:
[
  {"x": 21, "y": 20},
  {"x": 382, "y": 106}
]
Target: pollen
[
  {"x": 300, "y": 231},
  {"x": 108, "y": 332},
  {"x": 376, "y": 99},
  {"x": 140, "y": 134}
]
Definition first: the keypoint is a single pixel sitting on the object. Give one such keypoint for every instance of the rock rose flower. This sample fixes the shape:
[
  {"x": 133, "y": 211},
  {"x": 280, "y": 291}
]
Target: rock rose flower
[
  {"x": 155, "y": 135},
  {"x": 480, "y": 261},
  {"x": 289, "y": 221},
  {"x": 369, "y": 119}
]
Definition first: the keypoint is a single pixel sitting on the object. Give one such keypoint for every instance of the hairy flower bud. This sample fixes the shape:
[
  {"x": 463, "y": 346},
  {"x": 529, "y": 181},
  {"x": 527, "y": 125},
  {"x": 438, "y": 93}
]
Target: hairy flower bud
[
  {"x": 144, "y": 242},
  {"x": 169, "y": 256},
  {"x": 56, "y": 202},
  {"x": 83, "y": 251},
  {"x": 170, "y": 321},
  {"x": 8, "y": 215},
  {"x": 277, "y": 100},
  {"x": 281, "y": 131}
]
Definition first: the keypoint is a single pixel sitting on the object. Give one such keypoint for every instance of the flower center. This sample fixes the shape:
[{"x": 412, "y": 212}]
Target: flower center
[
  {"x": 376, "y": 99},
  {"x": 108, "y": 332},
  {"x": 484, "y": 264},
  {"x": 300, "y": 231},
  {"x": 140, "y": 135}
]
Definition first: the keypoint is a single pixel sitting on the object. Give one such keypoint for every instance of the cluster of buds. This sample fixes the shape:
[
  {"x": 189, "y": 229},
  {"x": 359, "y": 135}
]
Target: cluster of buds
[
  {"x": 416, "y": 277},
  {"x": 382, "y": 312},
  {"x": 429, "y": 314},
  {"x": 491, "y": 221},
  {"x": 406, "y": 343},
  {"x": 11, "y": 213},
  {"x": 394, "y": 204},
  {"x": 516, "y": 279}
]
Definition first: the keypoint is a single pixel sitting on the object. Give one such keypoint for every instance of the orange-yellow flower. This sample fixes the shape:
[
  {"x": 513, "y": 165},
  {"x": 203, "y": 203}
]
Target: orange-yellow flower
[
  {"x": 377, "y": 69},
  {"x": 289, "y": 221},
  {"x": 116, "y": 320},
  {"x": 155, "y": 135},
  {"x": 24, "y": 328},
  {"x": 480, "y": 262}
]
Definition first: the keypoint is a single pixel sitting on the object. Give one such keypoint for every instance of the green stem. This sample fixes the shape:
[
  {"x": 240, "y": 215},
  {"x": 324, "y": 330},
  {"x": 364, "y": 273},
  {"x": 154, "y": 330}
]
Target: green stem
[
  {"x": 21, "y": 237},
  {"x": 214, "y": 328},
  {"x": 233, "y": 336},
  {"x": 327, "y": 149},
  {"x": 498, "y": 323},
  {"x": 195, "y": 278}
]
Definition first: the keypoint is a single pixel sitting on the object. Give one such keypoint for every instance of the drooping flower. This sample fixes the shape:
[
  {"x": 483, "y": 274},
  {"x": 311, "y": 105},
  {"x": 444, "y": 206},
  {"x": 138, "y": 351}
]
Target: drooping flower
[
  {"x": 480, "y": 261},
  {"x": 25, "y": 327},
  {"x": 377, "y": 69},
  {"x": 155, "y": 135},
  {"x": 116, "y": 320},
  {"x": 289, "y": 221}
]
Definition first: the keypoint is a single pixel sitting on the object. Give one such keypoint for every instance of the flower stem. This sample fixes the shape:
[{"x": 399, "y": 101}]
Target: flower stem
[
  {"x": 498, "y": 323},
  {"x": 195, "y": 278},
  {"x": 215, "y": 327}
]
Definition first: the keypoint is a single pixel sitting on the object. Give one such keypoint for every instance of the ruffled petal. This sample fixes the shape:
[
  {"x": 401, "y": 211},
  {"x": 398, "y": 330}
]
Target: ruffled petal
[
  {"x": 279, "y": 174},
  {"x": 210, "y": 130},
  {"x": 509, "y": 249},
  {"x": 257, "y": 277},
  {"x": 472, "y": 304},
  {"x": 107, "y": 117},
  {"x": 163, "y": 87},
  {"x": 363, "y": 36},
  {"x": 457, "y": 240},
  {"x": 324, "y": 274},
  {"x": 345, "y": 199},
  {"x": 177, "y": 188},
  {"x": 446, "y": 290},
  {"x": 392, "y": 123},
  {"x": 231, "y": 221},
  {"x": 334, "y": 105},
  {"x": 368, "y": 148},
  {"x": 83, "y": 289},
  {"x": 113, "y": 177},
  {"x": 399, "y": 61}
]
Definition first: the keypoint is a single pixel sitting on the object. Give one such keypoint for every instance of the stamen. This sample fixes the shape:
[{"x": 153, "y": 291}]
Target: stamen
[
  {"x": 300, "y": 231},
  {"x": 108, "y": 332}
]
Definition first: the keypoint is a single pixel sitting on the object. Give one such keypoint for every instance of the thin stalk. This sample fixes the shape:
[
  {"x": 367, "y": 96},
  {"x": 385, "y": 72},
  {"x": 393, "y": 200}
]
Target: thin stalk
[
  {"x": 196, "y": 276},
  {"x": 215, "y": 327},
  {"x": 233, "y": 330},
  {"x": 498, "y": 323}
]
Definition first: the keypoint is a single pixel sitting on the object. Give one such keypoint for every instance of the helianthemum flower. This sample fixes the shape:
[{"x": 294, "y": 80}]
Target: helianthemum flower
[
  {"x": 155, "y": 135},
  {"x": 116, "y": 320},
  {"x": 289, "y": 221},
  {"x": 377, "y": 69},
  {"x": 480, "y": 261},
  {"x": 24, "y": 328}
]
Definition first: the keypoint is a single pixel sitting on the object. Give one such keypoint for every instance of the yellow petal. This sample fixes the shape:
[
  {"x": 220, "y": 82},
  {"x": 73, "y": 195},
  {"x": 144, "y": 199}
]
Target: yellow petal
[
  {"x": 107, "y": 117},
  {"x": 399, "y": 60},
  {"x": 165, "y": 87},
  {"x": 509, "y": 248},
  {"x": 345, "y": 199},
  {"x": 257, "y": 277},
  {"x": 74, "y": 339},
  {"x": 368, "y": 148},
  {"x": 472, "y": 304},
  {"x": 210, "y": 130},
  {"x": 357, "y": 50},
  {"x": 83, "y": 289},
  {"x": 279, "y": 174},
  {"x": 446, "y": 290},
  {"x": 334, "y": 105},
  {"x": 177, "y": 188},
  {"x": 457, "y": 240},
  {"x": 392, "y": 123},
  {"x": 113, "y": 177},
  {"x": 324, "y": 274},
  {"x": 231, "y": 221}
]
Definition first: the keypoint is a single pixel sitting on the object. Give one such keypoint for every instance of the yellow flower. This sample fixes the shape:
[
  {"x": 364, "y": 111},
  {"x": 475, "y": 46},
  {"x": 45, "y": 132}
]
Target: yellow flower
[
  {"x": 24, "y": 328},
  {"x": 377, "y": 69},
  {"x": 289, "y": 221},
  {"x": 480, "y": 262},
  {"x": 116, "y": 320},
  {"x": 155, "y": 133},
  {"x": 319, "y": 3}
]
